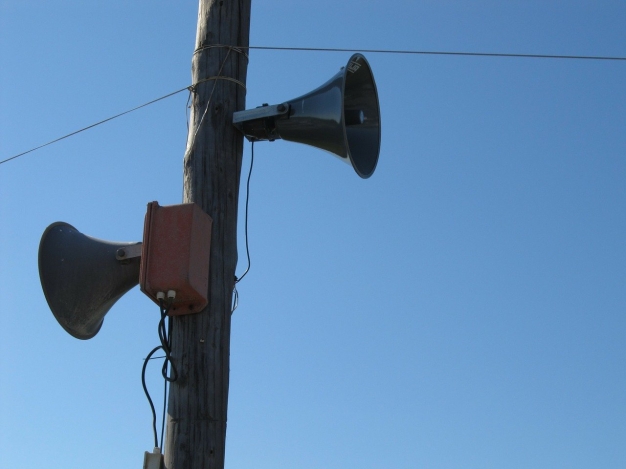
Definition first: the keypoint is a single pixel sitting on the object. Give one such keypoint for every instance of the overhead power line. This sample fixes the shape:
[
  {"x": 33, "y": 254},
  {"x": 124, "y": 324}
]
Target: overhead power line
[
  {"x": 321, "y": 49},
  {"x": 426, "y": 52},
  {"x": 93, "y": 125}
]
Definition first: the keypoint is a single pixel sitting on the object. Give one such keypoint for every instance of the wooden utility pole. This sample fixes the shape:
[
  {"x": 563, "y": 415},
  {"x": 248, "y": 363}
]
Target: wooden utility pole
[{"x": 198, "y": 401}]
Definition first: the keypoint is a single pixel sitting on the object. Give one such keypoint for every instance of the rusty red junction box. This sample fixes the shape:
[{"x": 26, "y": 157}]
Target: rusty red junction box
[{"x": 175, "y": 255}]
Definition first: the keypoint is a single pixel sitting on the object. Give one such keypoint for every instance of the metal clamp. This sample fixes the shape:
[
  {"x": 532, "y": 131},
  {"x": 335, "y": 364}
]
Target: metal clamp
[
  {"x": 260, "y": 112},
  {"x": 128, "y": 252}
]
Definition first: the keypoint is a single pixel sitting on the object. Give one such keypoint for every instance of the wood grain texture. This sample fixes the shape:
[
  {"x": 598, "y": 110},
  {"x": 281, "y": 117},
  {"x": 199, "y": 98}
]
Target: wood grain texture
[{"x": 198, "y": 401}]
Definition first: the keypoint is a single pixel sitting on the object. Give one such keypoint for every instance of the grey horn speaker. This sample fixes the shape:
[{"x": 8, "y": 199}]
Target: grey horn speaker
[
  {"x": 342, "y": 116},
  {"x": 82, "y": 277}
]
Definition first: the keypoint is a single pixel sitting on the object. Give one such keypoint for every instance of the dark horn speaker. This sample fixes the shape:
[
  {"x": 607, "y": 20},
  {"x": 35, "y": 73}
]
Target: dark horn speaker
[
  {"x": 342, "y": 116},
  {"x": 82, "y": 277}
]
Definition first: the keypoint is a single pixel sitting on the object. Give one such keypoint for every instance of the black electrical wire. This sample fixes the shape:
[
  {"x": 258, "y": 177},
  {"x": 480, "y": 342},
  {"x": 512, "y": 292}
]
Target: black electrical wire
[
  {"x": 166, "y": 346},
  {"x": 164, "y": 337},
  {"x": 163, "y": 415},
  {"x": 155, "y": 358},
  {"x": 165, "y": 334},
  {"x": 145, "y": 390},
  {"x": 238, "y": 279}
]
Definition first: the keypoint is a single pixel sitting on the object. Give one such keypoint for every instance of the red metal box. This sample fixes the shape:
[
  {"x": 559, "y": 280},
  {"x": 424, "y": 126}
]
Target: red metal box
[{"x": 175, "y": 255}]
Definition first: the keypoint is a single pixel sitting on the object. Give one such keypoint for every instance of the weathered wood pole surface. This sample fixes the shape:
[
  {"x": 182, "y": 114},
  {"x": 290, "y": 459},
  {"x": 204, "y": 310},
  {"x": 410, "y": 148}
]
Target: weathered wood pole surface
[{"x": 198, "y": 401}]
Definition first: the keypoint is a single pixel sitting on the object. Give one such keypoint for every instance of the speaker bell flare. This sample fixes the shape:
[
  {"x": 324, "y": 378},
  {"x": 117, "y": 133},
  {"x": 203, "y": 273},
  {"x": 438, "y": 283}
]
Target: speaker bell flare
[
  {"x": 342, "y": 116},
  {"x": 82, "y": 277}
]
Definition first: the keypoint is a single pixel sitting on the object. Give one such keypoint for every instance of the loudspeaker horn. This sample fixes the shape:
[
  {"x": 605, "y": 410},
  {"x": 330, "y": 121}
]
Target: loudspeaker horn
[
  {"x": 82, "y": 277},
  {"x": 342, "y": 116}
]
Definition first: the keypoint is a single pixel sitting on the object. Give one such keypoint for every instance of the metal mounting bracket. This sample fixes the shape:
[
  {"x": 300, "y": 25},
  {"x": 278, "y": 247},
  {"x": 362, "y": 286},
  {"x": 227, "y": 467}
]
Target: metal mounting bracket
[
  {"x": 128, "y": 252},
  {"x": 260, "y": 112},
  {"x": 258, "y": 124}
]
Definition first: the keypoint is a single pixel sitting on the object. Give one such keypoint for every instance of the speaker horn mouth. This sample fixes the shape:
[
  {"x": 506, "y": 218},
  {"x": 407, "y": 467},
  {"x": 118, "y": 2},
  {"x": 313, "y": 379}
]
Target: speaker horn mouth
[{"x": 361, "y": 116}]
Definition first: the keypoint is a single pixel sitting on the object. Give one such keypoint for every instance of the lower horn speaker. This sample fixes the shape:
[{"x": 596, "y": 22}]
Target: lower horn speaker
[{"x": 82, "y": 277}]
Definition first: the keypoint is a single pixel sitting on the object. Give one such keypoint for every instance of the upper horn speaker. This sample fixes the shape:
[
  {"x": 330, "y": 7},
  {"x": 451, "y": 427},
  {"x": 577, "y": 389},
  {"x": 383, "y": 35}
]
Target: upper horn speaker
[
  {"x": 342, "y": 116},
  {"x": 82, "y": 277}
]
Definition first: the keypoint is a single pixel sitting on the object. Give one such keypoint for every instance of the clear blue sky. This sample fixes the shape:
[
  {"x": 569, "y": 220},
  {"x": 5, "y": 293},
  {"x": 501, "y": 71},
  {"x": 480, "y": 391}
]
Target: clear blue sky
[{"x": 463, "y": 308}]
